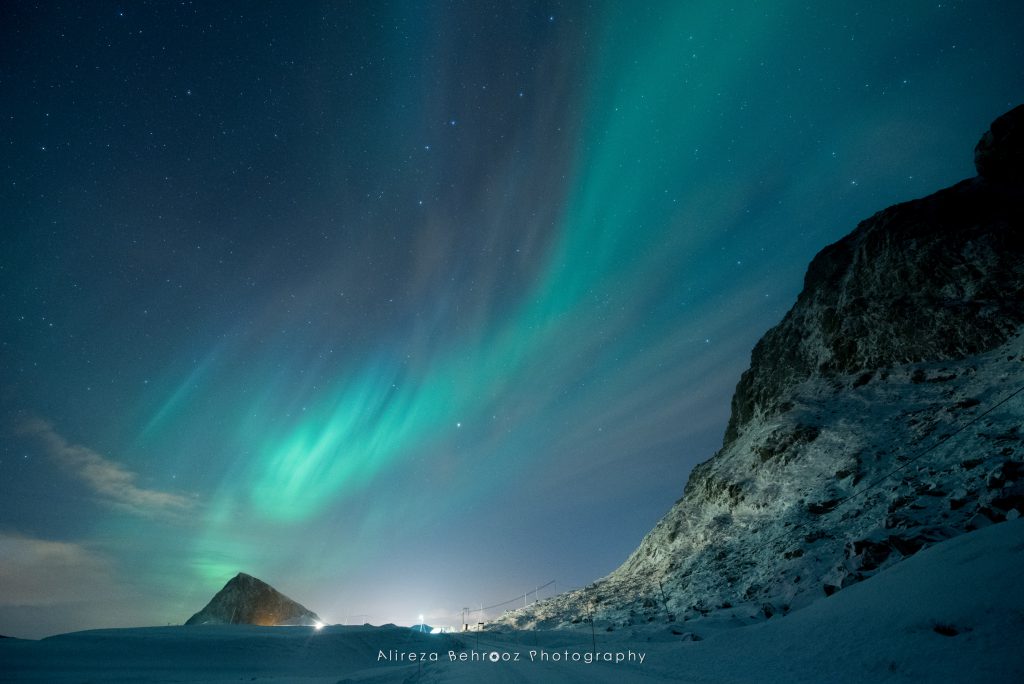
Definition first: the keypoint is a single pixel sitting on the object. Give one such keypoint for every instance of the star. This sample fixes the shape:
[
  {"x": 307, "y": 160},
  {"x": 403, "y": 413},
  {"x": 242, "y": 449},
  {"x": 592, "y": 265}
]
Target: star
[{"x": 257, "y": 252}]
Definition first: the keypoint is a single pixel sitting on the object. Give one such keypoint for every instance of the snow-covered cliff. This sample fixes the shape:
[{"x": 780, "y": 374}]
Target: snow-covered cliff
[{"x": 877, "y": 418}]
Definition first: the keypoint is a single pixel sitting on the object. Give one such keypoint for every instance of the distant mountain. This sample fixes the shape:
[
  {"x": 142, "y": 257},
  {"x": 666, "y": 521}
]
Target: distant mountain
[
  {"x": 878, "y": 418},
  {"x": 245, "y": 600}
]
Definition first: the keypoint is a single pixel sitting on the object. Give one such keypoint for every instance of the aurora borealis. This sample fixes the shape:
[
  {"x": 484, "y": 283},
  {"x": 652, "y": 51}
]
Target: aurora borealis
[{"x": 405, "y": 307}]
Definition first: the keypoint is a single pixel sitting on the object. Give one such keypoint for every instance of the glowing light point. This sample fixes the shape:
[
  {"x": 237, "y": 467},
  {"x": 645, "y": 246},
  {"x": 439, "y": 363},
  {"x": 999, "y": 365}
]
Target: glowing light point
[{"x": 318, "y": 625}]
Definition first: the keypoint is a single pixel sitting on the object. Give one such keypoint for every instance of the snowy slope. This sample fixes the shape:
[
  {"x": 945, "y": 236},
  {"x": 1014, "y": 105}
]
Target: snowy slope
[
  {"x": 876, "y": 419},
  {"x": 952, "y": 613},
  {"x": 201, "y": 653},
  {"x": 757, "y": 533}
]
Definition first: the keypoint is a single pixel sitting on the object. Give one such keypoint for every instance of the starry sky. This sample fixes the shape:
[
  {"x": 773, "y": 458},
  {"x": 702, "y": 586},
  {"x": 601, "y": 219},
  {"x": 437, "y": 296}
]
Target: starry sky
[{"x": 411, "y": 306}]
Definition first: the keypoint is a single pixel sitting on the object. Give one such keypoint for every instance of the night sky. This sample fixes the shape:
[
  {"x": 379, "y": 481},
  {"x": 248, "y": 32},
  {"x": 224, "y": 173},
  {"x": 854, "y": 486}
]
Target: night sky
[{"x": 413, "y": 306}]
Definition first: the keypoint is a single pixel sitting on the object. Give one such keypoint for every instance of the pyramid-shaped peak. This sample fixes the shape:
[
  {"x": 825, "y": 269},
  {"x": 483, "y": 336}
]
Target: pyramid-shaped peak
[{"x": 248, "y": 600}]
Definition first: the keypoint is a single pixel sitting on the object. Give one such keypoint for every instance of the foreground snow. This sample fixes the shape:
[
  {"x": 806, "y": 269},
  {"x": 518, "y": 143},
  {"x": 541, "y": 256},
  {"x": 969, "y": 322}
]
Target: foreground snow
[{"x": 952, "y": 613}]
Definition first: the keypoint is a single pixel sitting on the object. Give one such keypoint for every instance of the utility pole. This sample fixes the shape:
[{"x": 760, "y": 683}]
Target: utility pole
[
  {"x": 593, "y": 634},
  {"x": 664, "y": 600}
]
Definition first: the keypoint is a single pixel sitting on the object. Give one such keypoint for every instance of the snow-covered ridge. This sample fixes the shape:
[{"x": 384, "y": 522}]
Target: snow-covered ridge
[{"x": 879, "y": 384}]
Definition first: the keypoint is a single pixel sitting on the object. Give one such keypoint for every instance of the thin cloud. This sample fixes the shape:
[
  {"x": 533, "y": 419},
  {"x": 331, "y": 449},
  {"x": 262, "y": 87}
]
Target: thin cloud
[
  {"x": 52, "y": 587},
  {"x": 40, "y": 572},
  {"x": 111, "y": 482}
]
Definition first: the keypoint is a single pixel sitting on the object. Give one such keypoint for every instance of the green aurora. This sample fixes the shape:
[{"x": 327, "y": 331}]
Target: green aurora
[{"x": 409, "y": 308}]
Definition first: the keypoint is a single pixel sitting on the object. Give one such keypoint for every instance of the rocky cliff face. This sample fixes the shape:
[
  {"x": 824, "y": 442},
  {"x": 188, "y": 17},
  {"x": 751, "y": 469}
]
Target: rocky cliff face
[
  {"x": 926, "y": 280},
  {"x": 245, "y": 600},
  {"x": 877, "y": 418}
]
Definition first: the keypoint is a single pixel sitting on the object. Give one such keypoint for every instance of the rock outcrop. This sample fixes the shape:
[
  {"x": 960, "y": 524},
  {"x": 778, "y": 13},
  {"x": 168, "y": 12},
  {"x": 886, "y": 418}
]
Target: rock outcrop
[
  {"x": 876, "y": 418},
  {"x": 997, "y": 155},
  {"x": 245, "y": 600},
  {"x": 927, "y": 280}
]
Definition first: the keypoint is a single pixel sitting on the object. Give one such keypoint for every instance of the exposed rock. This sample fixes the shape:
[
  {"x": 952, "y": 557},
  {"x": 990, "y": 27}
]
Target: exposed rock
[
  {"x": 245, "y": 600},
  {"x": 868, "y": 554},
  {"x": 1009, "y": 498},
  {"x": 1006, "y": 473},
  {"x": 926, "y": 280},
  {"x": 845, "y": 451},
  {"x": 998, "y": 153}
]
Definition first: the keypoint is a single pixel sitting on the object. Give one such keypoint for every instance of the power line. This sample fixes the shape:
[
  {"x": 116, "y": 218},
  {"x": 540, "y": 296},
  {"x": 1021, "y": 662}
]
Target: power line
[
  {"x": 521, "y": 597},
  {"x": 943, "y": 439}
]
